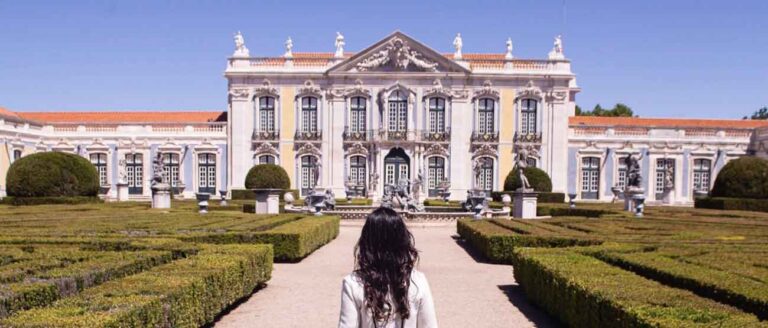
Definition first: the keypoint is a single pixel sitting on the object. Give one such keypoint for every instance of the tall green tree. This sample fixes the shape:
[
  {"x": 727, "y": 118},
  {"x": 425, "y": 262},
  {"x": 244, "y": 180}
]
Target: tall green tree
[
  {"x": 760, "y": 114},
  {"x": 618, "y": 110}
]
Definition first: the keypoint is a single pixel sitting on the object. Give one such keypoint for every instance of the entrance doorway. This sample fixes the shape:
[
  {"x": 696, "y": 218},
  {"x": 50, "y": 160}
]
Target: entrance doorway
[{"x": 396, "y": 166}]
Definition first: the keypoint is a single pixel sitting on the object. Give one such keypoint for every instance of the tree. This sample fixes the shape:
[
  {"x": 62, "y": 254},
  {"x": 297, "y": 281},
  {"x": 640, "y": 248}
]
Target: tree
[
  {"x": 618, "y": 110},
  {"x": 760, "y": 114}
]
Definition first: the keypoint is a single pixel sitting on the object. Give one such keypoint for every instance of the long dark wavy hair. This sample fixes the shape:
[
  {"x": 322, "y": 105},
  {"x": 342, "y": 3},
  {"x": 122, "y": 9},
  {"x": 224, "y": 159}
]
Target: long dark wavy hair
[{"x": 384, "y": 259}]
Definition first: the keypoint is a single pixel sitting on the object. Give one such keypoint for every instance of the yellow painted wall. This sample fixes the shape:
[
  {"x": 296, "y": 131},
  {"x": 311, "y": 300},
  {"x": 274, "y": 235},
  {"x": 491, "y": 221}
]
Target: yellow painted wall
[
  {"x": 506, "y": 133},
  {"x": 5, "y": 162},
  {"x": 287, "y": 128}
]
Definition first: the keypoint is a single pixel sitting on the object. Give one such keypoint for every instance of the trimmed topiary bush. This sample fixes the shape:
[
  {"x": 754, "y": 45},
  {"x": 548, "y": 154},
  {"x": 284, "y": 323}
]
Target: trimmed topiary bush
[
  {"x": 267, "y": 176},
  {"x": 52, "y": 174},
  {"x": 538, "y": 179},
  {"x": 745, "y": 177}
]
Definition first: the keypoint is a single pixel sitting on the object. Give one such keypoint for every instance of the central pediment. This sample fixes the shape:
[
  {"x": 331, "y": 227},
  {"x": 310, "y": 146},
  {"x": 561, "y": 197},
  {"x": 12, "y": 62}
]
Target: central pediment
[{"x": 398, "y": 53}]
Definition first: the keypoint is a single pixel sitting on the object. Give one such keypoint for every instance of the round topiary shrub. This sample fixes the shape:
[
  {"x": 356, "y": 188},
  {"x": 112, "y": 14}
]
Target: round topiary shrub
[
  {"x": 745, "y": 177},
  {"x": 267, "y": 176},
  {"x": 538, "y": 179},
  {"x": 52, "y": 174}
]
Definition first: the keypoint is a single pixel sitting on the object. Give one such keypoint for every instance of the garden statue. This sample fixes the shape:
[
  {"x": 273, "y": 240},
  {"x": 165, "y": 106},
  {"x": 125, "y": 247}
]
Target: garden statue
[
  {"x": 477, "y": 168},
  {"x": 339, "y": 45},
  {"x": 416, "y": 186},
  {"x": 316, "y": 172},
  {"x": 522, "y": 163},
  {"x": 240, "y": 49},
  {"x": 157, "y": 169},
  {"x": 330, "y": 199},
  {"x": 457, "y": 44},
  {"x": 669, "y": 178},
  {"x": 121, "y": 175},
  {"x": 373, "y": 181},
  {"x": 634, "y": 178},
  {"x": 444, "y": 189},
  {"x": 161, "y": 191},
  {"x": 387, "y": 197}
]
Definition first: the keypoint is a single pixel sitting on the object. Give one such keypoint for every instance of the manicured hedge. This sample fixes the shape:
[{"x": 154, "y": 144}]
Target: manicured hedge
[
  {"x": 746, "y": 293},
  {"x": 292, "y": 241},
  {"x": 244, "y": 194},
  {"x": 544, "y": 197},
  {"x": 52, "y": 174},
  {"x": 186, "y": 293},
  {"x": 567, "y": 211},
  {"x": 582, "y": 291},
  {"x": 22, "y": 201},
  {"x": 738, "y": 204},
  {"x": 267, "y": 176},
  {"x": 745, "y": 177},
  {"x": 496, "y": 243},
  {"x": 538, "y": 179}
]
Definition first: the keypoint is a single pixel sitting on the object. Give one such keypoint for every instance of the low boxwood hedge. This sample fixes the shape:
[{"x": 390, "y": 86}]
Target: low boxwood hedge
[
  {"x": 736, "y": 204},
  {"x": 544, "y": 197},
  {"x": 23, "y": 201},
  {"x": 186, "y": 293},
  {"x": 292, "y": 241},
  {"x": 52, "y": 174},
  {"x": 245, "y": 194},
  {"x": 537, "y": 178},
  {"x": 582, "y": 291},
  {"x": 567, "y": 211}
]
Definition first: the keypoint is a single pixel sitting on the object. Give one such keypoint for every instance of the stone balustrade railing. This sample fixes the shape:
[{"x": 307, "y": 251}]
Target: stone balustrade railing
[
  {"x": 694, "y": 132},
  {"x": 108, "y": 129}
]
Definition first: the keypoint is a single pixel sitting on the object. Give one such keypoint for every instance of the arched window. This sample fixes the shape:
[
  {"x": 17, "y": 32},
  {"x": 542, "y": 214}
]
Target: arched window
[
  {"x": 134, "y": 172},
  {"x": 357, "y": 119},
  {"x": 398, "y": 111},
  {"x": 206, "y": 172},
  {"x": 486, "y": 174},
  {"x": 171, "y": 170},
  {"x": 436, "y": 115},
  {"x": 267, "y": 114},
  {"x": 485, "y": 116},
  {"x": 357, "y": 170},
  {"x": 308, "y": 173},
  {"x": 309, "y": 114},
  {"x": 528, "y": 114},
  {"x": 16, "y": 154},
  {"x": 435, "y": 174},
  {"x": 99, "y": 160},
  {"x": 590, "y": 177},
  {"x": 266, "y": 159},
  {"x": 702, "y": 172}
]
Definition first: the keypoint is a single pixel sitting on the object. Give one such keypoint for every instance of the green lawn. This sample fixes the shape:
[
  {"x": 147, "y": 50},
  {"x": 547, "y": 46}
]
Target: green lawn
[
  {"x": 675, "y": 267},
  {"x": 127, "y": 265}
]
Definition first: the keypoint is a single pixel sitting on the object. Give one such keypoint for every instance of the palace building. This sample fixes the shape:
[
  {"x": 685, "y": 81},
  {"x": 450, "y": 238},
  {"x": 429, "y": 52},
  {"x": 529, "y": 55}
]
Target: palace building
[{"x": 397, "y": 109}]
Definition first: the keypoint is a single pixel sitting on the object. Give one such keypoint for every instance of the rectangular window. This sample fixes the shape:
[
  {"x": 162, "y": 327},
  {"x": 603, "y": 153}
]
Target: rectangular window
[
  {"x": 436, "y": 115},
  {"x": 590, "y": 177},
  {"x": 702, "y": 170},
  {"x": 485, "y": 114},
  {"x": 622, "y": 173},
  {"x": 309, "y": 114},
  {"x": 662, "y": 166},
  {"x": 528, "y": 115},
  {"x": 357, "y": 113},
  {"x": 435, "y": 174},
  {"x": 99, "y": 160},
  {"x": 134, "y": 172},
  {"x": 171, "y": 170},
  {"x": 267, "y": 114},
  {"x": 206, "y": 167}
]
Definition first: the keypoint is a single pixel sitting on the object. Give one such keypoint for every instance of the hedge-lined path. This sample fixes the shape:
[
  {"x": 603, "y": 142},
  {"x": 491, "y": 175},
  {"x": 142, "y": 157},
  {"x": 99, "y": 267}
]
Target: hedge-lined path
[{"x": 467, "y": 293}]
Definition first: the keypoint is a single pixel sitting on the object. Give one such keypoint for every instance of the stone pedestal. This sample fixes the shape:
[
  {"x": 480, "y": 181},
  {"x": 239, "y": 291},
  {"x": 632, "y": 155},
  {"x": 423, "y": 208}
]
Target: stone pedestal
[
  {"x": 525, "y": 204},
  {"x": 223, "y": 194},
  {"x": 122, "y": 192},
  {"x": 161, "y": 195},
  {"x": 202, "y": 201},
  {"x": 631, "y": 197},
  {"x": 267, "y": 201}
]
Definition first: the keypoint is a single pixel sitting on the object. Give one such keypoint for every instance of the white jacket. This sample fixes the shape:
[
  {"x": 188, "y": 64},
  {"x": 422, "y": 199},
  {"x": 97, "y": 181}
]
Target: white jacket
[{"x": 355, "y": 315}]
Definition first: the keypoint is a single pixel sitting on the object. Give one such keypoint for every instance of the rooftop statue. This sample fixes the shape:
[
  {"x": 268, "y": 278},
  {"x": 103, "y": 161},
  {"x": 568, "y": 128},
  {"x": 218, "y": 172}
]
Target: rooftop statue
[
  {"x": 509, "y": 49},
  {"x": 557, "y": 49},
  {"x": 288, "y": 48},
  {"x": 339, "y": 45},
  {"x": 240, "y": 49},
  {"x": 457, "y": 44}
]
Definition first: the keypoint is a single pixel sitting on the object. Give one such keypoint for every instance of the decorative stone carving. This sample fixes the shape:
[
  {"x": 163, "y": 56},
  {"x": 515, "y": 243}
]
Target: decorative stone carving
[
  {"x": 266, "y": 149},
  {"x": 157, "y": 168},
  {"x": 508, "y": 55},
  {"x": 557, "y": 49},
  {"x": 357, "y": 149},
  {"x": 557, "y": 96},
  {"x": 309, "y": 88},
  {"x": 397, "y": 53},
  {"x": 356, "y": 90},
  {"x": 435, "y": 149},
  {"x": 339, "y": 45},
  {"x": 240, "y": 49},
  {"x": 308, "y": 149},
  {"x": 288, "y": 48},
  {"x": 521, "y": 163},
  {"x": 484, "y": 150},
  {"x": 457, "y": 44},
  {"x": 266, "y": 89},
  {"x": 239, "y": 93},
  {"x": 634, "y": 175},
  {"x": 487, "y": 91},
  {"x": 530, "y": 91}
]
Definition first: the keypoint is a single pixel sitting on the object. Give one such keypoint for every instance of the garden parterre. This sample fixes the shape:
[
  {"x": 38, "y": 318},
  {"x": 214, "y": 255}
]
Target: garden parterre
[
  {"x": 675, "y": 267},
  {"x": 126, "y": 265}
]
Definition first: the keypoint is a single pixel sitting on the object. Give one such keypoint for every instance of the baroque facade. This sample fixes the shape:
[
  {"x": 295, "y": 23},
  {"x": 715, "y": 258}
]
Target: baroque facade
[{"x": 397, "y": 109}]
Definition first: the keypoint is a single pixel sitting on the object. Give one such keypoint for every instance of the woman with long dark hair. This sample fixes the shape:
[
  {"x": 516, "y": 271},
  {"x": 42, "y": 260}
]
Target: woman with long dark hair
[{"x": 385, "y": 290}]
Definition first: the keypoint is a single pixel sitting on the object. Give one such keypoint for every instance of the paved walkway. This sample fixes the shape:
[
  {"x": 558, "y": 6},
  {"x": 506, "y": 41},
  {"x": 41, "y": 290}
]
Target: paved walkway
[{"x": 467, "y": 293}]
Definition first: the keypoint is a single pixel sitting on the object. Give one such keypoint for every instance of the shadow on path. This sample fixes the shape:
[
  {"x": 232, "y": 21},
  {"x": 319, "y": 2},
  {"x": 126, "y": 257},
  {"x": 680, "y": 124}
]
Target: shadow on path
[
  {"x": 477, "y": 256},
  {"x": 535, "y": 314}
]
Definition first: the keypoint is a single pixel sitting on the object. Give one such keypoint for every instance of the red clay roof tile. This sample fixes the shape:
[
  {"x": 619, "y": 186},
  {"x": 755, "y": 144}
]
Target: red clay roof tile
[{"x": 665, "y": 122}]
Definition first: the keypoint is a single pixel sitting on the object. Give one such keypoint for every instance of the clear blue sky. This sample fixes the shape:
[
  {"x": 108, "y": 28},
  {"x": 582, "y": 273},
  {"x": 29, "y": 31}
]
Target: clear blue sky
[{"x": 664, "y": 58}]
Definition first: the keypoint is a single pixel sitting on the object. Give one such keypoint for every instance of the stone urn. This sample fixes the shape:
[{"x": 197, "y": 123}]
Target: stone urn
[
  {"x": 572, "y": 200},
  {"x": 506, "y": 199},
  {"x": 223, "y": 194},
  {"x": 267, "y": 201},
  {"x": 202, "y": 201}
]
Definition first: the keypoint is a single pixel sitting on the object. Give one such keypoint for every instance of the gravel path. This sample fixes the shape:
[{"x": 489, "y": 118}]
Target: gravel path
[{"x": 467, "y": 293}]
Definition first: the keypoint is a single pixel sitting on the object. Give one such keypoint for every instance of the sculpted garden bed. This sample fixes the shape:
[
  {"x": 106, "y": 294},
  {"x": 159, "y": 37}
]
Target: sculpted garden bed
[
  {"x": 125, "y": 265},
  {"x": 676, "y": 267}
]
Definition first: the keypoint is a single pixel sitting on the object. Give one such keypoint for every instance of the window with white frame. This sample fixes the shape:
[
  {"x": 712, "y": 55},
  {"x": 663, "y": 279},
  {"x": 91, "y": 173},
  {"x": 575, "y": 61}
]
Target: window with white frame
[
  {"x": 99, "y": 160},
  {"x": 663, "y": 165},
  {"x": 206, "y": 173},
  {"x": 590, "y": 177},
  {"x": 435, "y": 174},
  {"x": 309, "y": 114},
  {"x": 702, "y": 172},
  {"x": 530, "y": 161},
  {"x": 267, "y": 114},
  {"x": 357, "y": 170},
  {"x": 485, "y": 115},
  {"x": 486, "y": 174},
  {"x": 308, "y": 173},
  {"x": 398, "y": 111},
  {"x": 266, "y": 159},
  {"x": 171, "y": 170},
  {"x": 528, "y": 116},
  {"x": 134, "y": 172},
  {"x": 621, "y": 173},
  {"x": 16, "y": 154},
  {"x": 436, "y": 115},
  {"x": 357, "y": 113}
]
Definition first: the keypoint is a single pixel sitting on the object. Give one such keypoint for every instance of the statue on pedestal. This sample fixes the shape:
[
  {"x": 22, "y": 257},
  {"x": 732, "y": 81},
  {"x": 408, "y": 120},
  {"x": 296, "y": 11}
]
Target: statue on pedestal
[
  {"x": 521, "y": 163},
  {"x": 121, "y": 175},
  {"x": 457, "y": 44},
  {"x": 634, "y": 177},
  {"x": 339, "y": 45},
  {"x": 288, "y": 48},
  {"x": 240, "y": 49},
  {"x": 557, "y": 49},
  {"x": 157, "y": 169},
  {"x": 508, "y": 55}
]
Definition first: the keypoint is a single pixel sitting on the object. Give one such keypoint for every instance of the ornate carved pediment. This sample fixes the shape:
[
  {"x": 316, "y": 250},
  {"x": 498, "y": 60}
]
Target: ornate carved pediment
[
  {"x": 266, "y": 89},
  {"x": 239, "y": 93},
  {"x": 97, "y": 145},
  {"x": 309, "y": 88},
  {"x": 266, "y": 149},
  {"x": 63, "y": 145},
  {"x": 530, "y": 91},
  {"x": 486, "y": 91},
  {"x": 356, "y": 90},
  {"x": 557, "y": 96},
  {"x": 435, "y": 149},
  {"x": 357, "y": 149},
  {"x": 703, "y": 150},
  {"x": 308, "y": 149},
  {"x": 438, "y": 90},
  {"x": 484, "y": 150},
  {"x": 41, "y": 146},
  {"x": 206, "y": 145},
  {"x": 398, "y": 53}
]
